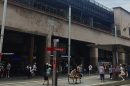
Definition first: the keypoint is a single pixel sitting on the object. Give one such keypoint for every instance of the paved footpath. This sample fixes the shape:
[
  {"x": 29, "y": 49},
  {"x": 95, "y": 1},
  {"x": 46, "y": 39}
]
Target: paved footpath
[
  {"x": 62, "y": 81},
  {"x": 126, "y": 85}
]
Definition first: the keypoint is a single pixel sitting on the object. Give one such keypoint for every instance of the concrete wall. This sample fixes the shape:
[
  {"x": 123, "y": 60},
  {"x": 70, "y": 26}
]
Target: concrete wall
[
  {"x": 122, "y": 19},
  {"x": 29, "y": 21}
]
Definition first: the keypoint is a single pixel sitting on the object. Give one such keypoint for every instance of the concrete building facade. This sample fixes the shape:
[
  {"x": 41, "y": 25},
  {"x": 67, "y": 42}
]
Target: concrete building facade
[{"x": 39, "y": 28}]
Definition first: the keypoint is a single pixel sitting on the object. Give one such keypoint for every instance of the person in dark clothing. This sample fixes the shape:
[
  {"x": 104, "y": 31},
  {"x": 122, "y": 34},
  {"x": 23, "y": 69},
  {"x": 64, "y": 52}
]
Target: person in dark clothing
[{"x": 46, "y": 73}]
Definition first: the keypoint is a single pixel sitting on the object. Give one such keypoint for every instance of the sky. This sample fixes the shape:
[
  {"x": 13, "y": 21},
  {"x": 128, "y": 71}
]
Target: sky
[{"x": 116, "y": 3}]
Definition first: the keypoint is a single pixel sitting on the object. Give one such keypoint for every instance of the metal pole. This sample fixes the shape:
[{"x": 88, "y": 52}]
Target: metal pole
[
  {"x": 115, "y": 35},
  {"x": 116, "y": 54},
  {"x": 54, "y": 78},
  {"x": 3, "y": 26},
  {"x": 69, "y": 40}
]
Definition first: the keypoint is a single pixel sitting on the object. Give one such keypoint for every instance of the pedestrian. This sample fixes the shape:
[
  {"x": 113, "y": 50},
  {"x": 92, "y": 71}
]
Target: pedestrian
[
  {"x": 110, "y": 71},
  {"x": 117, "y": 72},
  {"x": 113, "y": 71},
  {"x": 2, "y": 71},
  {"x": 34, "y": 69},
  {"x": 29, "y": 70},
  {"x": 90, "y": 69},
  {"x": 66, "y": 67},
  {"x": 80, "y": 69},
  {"x": 8, "y": 68},
  {"x": 47, "y": 73},
  {"x": 122, "y": 73},
  {"x": 126, "y": 71},
  {"x": 102, "y": 72}
]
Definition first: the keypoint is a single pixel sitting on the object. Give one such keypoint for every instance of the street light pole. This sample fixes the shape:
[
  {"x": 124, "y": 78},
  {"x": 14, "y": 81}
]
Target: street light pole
[
  {"x": 116, "y": 52},
  {"x": 3, "y": 26},
  {"x": 115, "y": 35},
  {"x": 69, "y": 39}
]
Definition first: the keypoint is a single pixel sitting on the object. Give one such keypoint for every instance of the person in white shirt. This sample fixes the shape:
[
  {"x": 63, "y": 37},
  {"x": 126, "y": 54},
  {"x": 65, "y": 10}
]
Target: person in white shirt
[
  {"x": 90, "y": 69},
  {"x": 34, "y": 69},
  {"x": 8, "y": 67},
  {"x": 110, "y": 71},
  {"x": 122, "y": 73}
]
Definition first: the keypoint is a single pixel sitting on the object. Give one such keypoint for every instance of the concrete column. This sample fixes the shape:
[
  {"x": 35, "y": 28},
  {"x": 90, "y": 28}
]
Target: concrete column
[
  {"x": 91, "y": 21},
  {"x": 93, "y": 56},
  {"x": 31, "y": 50},
  {"x": 122, "y": 58},
  {"x": 115, "y": 59},
  {"x": 51, "y": 27},
  {"x": 48, "y": 44}
]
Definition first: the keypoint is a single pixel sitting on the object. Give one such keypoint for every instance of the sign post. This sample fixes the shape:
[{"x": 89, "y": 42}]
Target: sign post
[
  {"x": 54, "y": 50},
  {"x": 69, "y": 39},
  {"x": 54, "y": 78}
]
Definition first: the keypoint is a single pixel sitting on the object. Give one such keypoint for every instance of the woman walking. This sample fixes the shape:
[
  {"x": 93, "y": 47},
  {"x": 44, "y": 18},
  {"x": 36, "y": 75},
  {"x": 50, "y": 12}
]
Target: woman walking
[{"x": 122, "y": 73}]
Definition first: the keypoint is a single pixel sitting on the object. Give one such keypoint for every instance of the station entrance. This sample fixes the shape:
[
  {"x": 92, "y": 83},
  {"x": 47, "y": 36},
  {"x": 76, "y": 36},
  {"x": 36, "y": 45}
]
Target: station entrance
[{"x": 26, "y": 49}]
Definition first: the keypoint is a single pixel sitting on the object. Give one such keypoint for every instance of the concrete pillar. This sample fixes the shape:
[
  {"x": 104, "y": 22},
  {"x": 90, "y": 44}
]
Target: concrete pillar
[
  {"x": 48, "y": 44},
  {"x": 31, "y": 49},
  {"x": 115, "y": 59},
  {"x": 122, "y": 58},
  {"x": 91, "y": 21},
  {"x": 93, "y": 56},
  {"x": 51, "y": 27}
]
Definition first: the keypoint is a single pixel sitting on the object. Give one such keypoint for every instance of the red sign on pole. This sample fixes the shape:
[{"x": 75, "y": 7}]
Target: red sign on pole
[
  {"x": 50, "y": 49},
  {"x": 56, "y": 48},
  {"x": 59, "y": 49}
]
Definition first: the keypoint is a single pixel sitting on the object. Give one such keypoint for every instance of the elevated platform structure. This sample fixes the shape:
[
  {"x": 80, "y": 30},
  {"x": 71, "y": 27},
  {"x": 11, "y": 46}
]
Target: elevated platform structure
[{"x": 86, "y": 12}]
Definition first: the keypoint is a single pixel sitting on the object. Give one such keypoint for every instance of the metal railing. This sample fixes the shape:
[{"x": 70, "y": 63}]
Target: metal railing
[{"x": 100, "y": 5}]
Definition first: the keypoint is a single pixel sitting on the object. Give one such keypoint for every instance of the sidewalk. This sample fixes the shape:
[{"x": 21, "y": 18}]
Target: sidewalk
[{"x": 93, "y": 80}]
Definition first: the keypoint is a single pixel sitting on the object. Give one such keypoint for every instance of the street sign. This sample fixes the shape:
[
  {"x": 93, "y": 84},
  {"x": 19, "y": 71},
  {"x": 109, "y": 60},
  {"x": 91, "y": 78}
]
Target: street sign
[
  {"x": 55, "y": 48},
  {"x": 59, "y": 49},
  {"x": 50, "y": 49}
]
